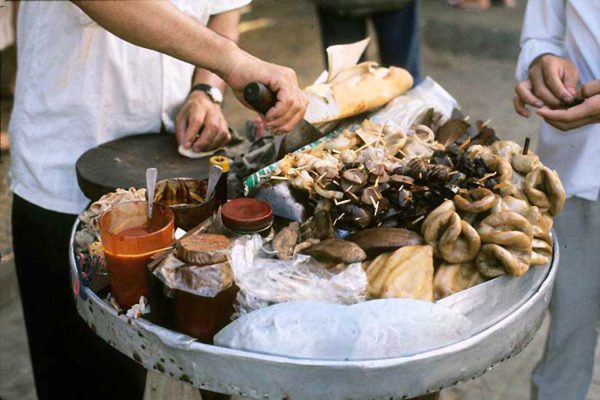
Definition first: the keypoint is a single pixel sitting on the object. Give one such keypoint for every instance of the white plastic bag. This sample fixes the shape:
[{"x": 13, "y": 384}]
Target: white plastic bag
[
  {"x": 264, "y": 280},
  {"x": 371, "y": 330}
]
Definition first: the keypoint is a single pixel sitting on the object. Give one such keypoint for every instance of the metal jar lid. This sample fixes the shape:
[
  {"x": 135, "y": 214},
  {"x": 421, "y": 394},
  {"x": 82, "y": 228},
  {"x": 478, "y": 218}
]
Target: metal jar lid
[{"x": 247, "y": 215}]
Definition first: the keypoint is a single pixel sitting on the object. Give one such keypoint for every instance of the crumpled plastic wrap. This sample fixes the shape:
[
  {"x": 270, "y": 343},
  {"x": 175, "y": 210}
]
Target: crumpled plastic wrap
[
  {"x": 264, "y": 281},
  {"x": 372, "y": 330},
  {"x": 406, "y": 110},
  {"x": 89, "y": 231},
  {"x": 205, "y": 281}
]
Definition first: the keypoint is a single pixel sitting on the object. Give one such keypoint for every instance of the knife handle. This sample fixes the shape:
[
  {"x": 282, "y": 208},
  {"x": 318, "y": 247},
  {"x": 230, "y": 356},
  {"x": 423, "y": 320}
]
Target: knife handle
[{"x": 259, "y": 97}]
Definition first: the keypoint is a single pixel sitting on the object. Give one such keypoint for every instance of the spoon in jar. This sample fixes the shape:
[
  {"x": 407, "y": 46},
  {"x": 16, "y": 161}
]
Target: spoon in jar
[
  {"x": 151, "y": 175},
  {"x": 214, "y": 174}
]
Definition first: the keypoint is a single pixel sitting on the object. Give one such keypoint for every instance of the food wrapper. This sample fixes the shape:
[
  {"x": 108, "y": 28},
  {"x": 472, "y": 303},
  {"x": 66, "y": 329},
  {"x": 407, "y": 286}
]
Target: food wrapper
[
  {"x": 205, "y": 281},
  {"x": 371, "y": 330},
  {"x": 264, "y": 281}
]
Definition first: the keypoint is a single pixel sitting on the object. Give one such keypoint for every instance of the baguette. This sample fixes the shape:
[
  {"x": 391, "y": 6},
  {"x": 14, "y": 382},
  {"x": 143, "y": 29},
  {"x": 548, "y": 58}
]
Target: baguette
[{"x": 355, "y": 90}]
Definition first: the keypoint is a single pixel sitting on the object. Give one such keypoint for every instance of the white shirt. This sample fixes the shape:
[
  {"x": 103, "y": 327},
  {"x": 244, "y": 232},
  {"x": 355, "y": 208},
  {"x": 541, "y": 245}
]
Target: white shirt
[
  {"x": 79, "y": 86},
  {"x": 571, "y": 29}
]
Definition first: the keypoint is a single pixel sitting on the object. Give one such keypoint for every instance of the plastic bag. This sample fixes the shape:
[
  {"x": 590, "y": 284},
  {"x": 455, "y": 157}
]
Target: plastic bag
[
  {"x": 371, "y": 330},
  {"x": 205, "y": 280},
  {"x": 406, "y": 110},
  {"x": 264, "y": 281}
]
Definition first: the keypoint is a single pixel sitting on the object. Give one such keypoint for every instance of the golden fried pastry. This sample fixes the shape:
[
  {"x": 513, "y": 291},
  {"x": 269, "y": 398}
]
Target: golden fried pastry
[
  {"x": 545, "y": 190},
  {"x": 506, "y": 239},
  {"x": 453, "y": 278},
  {"x": 505, "y": 149},
  {"x": 476, "y": 201},
  {"x": 452, "y": 239},
  {"x": 541, "y": 225},
  {"x": 499, "y": 165},
  {"x": 405, "y": 273}
]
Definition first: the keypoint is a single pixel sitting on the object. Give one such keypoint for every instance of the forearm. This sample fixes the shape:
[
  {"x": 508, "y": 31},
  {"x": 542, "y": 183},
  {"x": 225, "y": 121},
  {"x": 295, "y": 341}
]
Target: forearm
[
  {"x": 226, "y": 25},
  {"x": 160, "y": 26}
]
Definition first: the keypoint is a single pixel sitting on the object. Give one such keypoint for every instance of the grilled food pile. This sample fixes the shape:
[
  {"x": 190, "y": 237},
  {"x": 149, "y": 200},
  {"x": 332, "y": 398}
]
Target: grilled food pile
[{"x": 444, "y": 210}]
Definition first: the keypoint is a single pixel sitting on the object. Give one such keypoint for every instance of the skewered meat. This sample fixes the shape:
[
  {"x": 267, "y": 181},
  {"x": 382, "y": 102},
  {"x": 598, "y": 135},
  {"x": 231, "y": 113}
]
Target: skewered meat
[{"x": 452, "y": 239}]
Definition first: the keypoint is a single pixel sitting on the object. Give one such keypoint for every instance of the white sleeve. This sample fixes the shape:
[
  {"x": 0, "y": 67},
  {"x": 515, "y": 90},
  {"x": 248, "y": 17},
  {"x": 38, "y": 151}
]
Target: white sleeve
[
  {"x": 543, "y": 32},
  {"x": 221, "y": 6}
]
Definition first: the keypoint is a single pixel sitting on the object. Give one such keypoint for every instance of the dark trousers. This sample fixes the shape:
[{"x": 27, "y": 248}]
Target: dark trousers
[
  {"x": 69, "y": 360},
  {"x": 397, "y": 34}
]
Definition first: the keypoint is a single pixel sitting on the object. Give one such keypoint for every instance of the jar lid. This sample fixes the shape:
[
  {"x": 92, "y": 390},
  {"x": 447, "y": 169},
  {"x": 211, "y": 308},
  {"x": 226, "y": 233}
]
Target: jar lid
[{"x": 247, "y": 215}]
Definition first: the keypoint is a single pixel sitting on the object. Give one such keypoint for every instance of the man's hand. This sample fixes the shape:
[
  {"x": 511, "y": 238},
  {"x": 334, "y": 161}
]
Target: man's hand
[
  {"x": 552, "y": 83},
  {"x": 291, "y": 101},
  {"x": 585, "y": 113},
  {"x": 200, "y": 124}
]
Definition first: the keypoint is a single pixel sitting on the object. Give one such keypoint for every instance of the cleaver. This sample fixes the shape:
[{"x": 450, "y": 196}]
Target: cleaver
[{"x": 261, "y": 98}]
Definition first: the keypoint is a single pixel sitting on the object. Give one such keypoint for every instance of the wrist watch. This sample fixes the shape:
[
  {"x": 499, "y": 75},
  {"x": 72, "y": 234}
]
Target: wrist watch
[{"x": 213, "y": 93}]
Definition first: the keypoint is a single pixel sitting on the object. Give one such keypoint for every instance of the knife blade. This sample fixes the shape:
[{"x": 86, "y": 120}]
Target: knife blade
[{"x": 261, "y": 98}]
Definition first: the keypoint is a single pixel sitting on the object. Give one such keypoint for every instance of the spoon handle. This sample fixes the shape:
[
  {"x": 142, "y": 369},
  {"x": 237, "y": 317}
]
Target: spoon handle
[
  {"x": 151, "y": 176},
  {"x": 214, "y": 174}
]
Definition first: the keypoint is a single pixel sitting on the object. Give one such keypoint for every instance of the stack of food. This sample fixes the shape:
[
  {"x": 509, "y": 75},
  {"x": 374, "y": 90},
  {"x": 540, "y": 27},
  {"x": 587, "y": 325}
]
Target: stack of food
[{"x": 428, "y": 213}]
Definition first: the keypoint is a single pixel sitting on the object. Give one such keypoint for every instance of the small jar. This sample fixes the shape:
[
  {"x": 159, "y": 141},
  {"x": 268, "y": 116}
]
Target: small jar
[{"x": 248, "y": 216}]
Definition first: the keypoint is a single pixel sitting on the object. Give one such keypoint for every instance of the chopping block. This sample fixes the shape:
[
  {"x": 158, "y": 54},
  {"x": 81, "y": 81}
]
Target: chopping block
[{"x": 122, "y": 163}]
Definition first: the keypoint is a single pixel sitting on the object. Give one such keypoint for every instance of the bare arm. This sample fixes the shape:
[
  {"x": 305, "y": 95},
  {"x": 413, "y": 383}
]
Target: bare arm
[
  {"x": 226, "y": 25},
  {"x": 160, "y": 26}
]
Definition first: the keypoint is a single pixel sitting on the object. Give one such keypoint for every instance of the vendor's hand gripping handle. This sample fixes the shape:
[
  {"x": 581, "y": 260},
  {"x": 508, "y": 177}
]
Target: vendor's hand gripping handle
[{"x": 259, "y": 97}]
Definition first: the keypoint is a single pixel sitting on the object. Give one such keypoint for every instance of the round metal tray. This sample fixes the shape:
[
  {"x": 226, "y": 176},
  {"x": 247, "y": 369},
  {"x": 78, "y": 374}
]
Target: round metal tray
[{"x": 507, "y": 312}]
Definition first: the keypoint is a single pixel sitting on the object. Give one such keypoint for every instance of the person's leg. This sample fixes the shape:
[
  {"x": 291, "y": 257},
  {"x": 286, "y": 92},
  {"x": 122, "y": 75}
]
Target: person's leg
[
  {"x": 69, "y": 361},
  {"x": 566, "y": 369},
  {"x": 340, "y": 29},
  {"x": 399, "y": 39}
]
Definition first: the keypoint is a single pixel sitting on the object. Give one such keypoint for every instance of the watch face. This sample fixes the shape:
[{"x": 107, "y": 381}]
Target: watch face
[{"x": 216, "y": 95}]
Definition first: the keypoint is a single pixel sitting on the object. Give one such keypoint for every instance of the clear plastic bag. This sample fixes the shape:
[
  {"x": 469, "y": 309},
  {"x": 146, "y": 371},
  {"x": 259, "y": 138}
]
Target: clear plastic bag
[{"x": 264, "y": 280}]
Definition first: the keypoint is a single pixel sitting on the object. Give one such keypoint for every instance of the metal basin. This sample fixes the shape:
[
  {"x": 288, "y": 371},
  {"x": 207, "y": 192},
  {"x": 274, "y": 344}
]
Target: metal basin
[{"x": 507, "y": 311}]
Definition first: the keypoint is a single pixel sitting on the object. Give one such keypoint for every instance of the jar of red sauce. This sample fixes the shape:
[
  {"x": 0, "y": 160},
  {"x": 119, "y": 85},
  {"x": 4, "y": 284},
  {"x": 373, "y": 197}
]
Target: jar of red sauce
[
  {"x": 129, "y": 241},
  {"x": 247, "y": 216}
]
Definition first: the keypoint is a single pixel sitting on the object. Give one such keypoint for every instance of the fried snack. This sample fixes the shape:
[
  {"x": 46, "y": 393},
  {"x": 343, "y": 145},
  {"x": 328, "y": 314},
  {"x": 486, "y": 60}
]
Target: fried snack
[
  {"x": 376, "y": 241},
  {"x": 285, "y": 240},
  {"x": 452, "y": 239},
  {"x": 541, "y": 225},
  {"x": 499, "y": 165},
  {"x": 525, "y": 163},
  {"x": 475, "y": 201},
  {"x": 336, "y": 251},
  {"x": 545, "y": 190},
  {"x": 453, "y": 278},
  {"x": 506, "y": 239},
  {"x": 405, "y": 273},
  {"x": 505, "y": 149}
]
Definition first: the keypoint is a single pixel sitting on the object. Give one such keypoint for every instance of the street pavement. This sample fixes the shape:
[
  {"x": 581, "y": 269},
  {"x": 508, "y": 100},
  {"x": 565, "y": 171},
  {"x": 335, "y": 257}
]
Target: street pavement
[{"x": 470, "y": 54}]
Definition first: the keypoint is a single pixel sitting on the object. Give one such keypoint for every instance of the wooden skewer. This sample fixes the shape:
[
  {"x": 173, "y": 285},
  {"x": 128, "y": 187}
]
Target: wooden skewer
[
  {"x": 280, "y": 178},
  {"x": 486, "y": 123},
  {"x": 418, "y": 219},
  {"x": 526, "y": 147}
]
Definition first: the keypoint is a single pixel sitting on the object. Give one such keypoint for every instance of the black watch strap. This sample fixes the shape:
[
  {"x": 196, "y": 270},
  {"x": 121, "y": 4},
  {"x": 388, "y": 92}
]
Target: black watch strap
[{"x": 203, "y": 87}]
